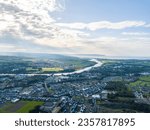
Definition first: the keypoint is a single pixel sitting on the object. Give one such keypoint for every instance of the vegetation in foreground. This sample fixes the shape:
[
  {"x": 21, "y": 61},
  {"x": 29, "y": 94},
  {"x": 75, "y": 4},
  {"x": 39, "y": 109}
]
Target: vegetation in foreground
[{"x": 21, "y": 107}]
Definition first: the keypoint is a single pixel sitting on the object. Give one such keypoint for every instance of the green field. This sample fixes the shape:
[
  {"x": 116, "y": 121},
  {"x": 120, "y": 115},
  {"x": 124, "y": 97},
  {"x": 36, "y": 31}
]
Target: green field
[
  {"x": 145, "y": 78},
  {"x": 52, "y": 69},
  {"x": 143, "y": 81},
  {"x": 20, "y": 107},
  {"x": 31, "y": 69}
]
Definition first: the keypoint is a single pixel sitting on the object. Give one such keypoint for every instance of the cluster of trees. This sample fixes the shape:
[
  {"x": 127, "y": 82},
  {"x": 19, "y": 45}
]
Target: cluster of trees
[
  {"x": 123, "y": 67},
  {"x": 124, "y": 98}
]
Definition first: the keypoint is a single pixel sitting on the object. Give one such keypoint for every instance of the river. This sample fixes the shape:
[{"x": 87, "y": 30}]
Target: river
[{"x": 98, "y": 64}]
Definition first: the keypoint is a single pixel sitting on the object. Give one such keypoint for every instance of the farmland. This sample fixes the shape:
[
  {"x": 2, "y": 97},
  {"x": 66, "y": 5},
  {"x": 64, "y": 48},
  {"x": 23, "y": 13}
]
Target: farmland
[
  {"x": 20, "y": 107},
  {"x": 52, "y": 69},
  {"x": 142, "y": 81}
]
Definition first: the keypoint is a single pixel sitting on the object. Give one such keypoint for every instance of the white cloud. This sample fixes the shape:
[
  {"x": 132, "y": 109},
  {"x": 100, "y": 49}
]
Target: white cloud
[
  {"x": 118, "y": 46},
  {"x": 148, "y": 25},
  {"x": 31, "y": 20},
  {"x": 73, "y": 25},
  {"x": 65, "y": 38},
  {"x": 135, "y": 33},
  {"x": 27, "y": 15},
  {"x": 119, "y": 25},
  {"x": 33, "y": 5},
  {"x": 28, "y": 24},
  {"x": 18, "y": 16},
  {"x": 3, "y": 46},
  {"x": 104, "y": 39},
  {"x": 102, "y": 25}
]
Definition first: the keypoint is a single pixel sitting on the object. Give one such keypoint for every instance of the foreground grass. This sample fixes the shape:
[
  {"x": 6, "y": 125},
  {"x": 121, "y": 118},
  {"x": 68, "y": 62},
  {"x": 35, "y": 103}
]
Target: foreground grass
[
  {"x": 20, "y": 107},
  {"x": 29, "y": 105}
]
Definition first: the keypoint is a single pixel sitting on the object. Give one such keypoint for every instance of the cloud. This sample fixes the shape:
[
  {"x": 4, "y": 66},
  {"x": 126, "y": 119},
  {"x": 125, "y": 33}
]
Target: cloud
[
  {"x": 16, "y": 15},
  {"x": 117, "y": 46},
  {"x": 148, "y": 25},
  {"x": 119, "y": 25},
  {"x": 135, "y": 33},
  {"x": 28, "y": 19},
  {"x": 32, "y": 5},
  {"x": 3, "y": 46},
  {"x": 28, "y": 25},
  {"x": 66, "y": 38},
  {"x": 32, "y": 22},
  {"x": 102, "y": 25}
]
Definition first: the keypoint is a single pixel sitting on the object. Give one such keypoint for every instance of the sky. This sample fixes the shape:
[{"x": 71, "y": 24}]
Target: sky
[{"x": 105, "y": 27}]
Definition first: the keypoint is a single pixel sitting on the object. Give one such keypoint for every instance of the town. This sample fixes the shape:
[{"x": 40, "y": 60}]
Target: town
[{"x": 114, "y": 86}]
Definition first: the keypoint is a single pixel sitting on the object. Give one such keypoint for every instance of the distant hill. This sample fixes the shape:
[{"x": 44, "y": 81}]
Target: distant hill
[
  {"x": 68, "y": 56},
  {"x": 34, "y": 55},
  {"x": 89, "y": 55}
]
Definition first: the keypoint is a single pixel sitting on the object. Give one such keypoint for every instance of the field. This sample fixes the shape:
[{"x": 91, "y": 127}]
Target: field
[
  {"x": 143, "y": 81},
  {"x": 31, "y": 69},
  {"x": 51, "y": 69},
  {"x": 49, "y": 64},
  {"x": 145, "y": 78},
  {"x": 20, "y": 107}
]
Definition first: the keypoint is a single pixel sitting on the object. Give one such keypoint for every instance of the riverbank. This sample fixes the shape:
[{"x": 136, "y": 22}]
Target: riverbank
[{"x": 98, "y": 64}]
